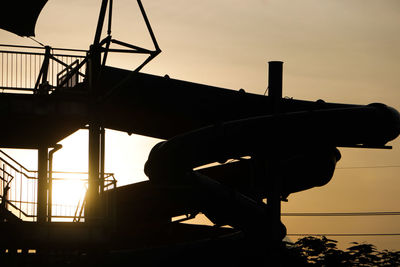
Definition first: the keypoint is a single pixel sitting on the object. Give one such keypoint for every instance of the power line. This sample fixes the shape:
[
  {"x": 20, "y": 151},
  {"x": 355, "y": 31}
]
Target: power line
[
  {"x": 370, "y": 167},
  {"x": 322, "y": 214},
  {"x": 348, "y": 234}
]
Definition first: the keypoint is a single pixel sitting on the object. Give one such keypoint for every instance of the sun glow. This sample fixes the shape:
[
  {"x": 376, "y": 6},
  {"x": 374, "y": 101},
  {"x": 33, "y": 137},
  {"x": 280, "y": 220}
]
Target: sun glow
[
  {"x": 124, "y": 161},
  {"x": 68, "y": 197}
]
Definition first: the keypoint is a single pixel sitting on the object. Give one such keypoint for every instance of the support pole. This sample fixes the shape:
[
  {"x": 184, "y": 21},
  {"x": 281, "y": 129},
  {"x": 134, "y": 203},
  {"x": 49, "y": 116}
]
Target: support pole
[
  {"x": 42, "y": 184},
  {"x": 275, "y": 183},
  {"x": 92, "y": 207},
  {"x": 110, "y": 8},
  {"x": 92, "y": 197},
  {"x": 100, "y": 22}
]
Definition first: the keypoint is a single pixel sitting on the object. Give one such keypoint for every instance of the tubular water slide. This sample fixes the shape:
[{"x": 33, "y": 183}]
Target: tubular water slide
[
  {"x": 204, "y": 124},
  {"x": 201, "y": 125}
]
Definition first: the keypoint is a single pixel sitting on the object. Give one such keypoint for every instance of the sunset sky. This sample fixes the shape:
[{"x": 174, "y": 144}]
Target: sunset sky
[{"x": 337, "y": 50}]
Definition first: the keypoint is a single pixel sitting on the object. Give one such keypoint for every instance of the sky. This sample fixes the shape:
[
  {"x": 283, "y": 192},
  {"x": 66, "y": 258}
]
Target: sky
[{"x": 343, "y": 51}]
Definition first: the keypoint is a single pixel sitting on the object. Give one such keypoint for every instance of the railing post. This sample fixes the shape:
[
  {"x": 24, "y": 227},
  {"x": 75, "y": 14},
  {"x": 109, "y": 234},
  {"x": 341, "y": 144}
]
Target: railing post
[
  {"x": 42, "y": 85},
  {"x": 46, "y": 64}
]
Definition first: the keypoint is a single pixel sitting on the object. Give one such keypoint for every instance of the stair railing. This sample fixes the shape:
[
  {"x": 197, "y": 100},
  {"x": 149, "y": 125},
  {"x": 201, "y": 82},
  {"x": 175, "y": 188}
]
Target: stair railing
[
  {"x": 21, "y": 199},
  {"x": 17, "y": 185}
]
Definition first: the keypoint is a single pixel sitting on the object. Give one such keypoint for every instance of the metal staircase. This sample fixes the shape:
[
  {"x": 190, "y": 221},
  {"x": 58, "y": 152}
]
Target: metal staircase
[
  {"x": 17, "y": 188},
  {"x": 18, "y": 193}
]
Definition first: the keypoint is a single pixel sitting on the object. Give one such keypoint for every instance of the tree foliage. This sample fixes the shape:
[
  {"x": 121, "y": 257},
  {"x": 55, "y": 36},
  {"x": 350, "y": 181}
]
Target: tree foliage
[{"x": 321, "y": 251}]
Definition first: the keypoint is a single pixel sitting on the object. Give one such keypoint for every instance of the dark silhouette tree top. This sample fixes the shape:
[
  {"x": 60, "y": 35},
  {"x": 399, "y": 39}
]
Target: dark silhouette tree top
[{"x": 321, "y": 251}]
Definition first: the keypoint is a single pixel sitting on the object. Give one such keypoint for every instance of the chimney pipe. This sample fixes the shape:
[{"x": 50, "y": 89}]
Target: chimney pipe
[{"x": 275, "y": 70}]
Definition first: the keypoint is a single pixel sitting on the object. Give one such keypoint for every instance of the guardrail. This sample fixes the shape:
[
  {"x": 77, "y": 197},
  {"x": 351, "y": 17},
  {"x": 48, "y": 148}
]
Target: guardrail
[
  {"x": 69, "y": 189},
  {"x": 19, "y": 186},
  {"x": 24, "y": 68}
]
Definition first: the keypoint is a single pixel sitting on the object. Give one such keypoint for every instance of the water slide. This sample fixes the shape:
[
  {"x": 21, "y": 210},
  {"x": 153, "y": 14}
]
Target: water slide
[
  {"x": 201, "y": 125},
  {"x": 204, "y": 124}
]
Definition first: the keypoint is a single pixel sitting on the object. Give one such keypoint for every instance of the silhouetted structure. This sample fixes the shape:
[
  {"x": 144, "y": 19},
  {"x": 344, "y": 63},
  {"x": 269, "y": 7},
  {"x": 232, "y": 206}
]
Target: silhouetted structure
[{"x": 270, "y": 146}]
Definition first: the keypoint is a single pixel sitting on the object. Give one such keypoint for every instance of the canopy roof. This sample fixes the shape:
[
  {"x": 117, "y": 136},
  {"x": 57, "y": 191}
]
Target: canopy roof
[{"x": 20, "y": 16}]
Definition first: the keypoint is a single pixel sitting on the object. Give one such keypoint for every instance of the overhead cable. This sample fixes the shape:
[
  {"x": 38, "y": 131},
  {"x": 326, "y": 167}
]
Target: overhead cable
[
  {"x": 322, "y": 214},
  {"x": 348, "y": 234}
]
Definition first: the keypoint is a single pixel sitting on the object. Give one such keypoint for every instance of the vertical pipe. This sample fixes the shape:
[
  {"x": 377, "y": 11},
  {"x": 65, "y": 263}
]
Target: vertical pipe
[
  {"x": 20, "y": 193},
  {"x": 11, "y": 70},
  {"x": 34, "y": 194},
  {"x": 21, "y": 84},
  {"x": 2, "y": 69},
  {"x": 102, "y": 158},
  {"x": 16, "y": 71},
  {"x": 50, "y": 182},
  {"x": 30, "y": 71},
  {"x": 35, "y": 65},
  {"x": 2, "y": 182},
  {"x": 51, "y": 72},
  {"x": 274, "y": 197},
  {"x": 26, "y": 71},
  {"x": 42, "y": 184},
  {"x": 275, "y": 76},
  {"x": 103, "y": 210},
  {"x": 7, "y": 69}
]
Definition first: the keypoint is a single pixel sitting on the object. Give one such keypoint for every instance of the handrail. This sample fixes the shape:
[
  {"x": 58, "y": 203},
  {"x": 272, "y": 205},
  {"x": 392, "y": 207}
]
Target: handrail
[
  {"x": 41, "y": 47},
  {"x": 17, "y": 89},
  {"x": 19, "y": 171},
  {"x": 80, "y": 207},
  {"x": 107, "y": 175},
  {"x": 8, "y": 174},
  {"x": 38, "y": 54},
  {"x": 22, "y": 46},
  {"x": 22, "y": 52},
  {"x": 15, "y": 207},
  {"x": 73, "y": 72},
  {"x": 16, "y": 162},
  {"x": 4, "y": 180}
]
